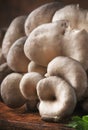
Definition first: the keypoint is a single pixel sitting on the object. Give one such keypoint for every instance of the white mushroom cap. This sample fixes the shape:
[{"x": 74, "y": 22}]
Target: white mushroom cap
[
  {"x": 75, "y": 45},
  {"x": 16, "y": 58},
  {"x": 14, "y": 31},
  {"x": 42, "y": 45},
  {"x": 77, "y": 17},
  {"x": 71, "y": 71},
  {"x": 57, "y": 98},
  {"x": 41, "y": 15},
  {"x": 10, "y": 91},
  {"x": 33, "y": 67},
  {"x": 45, "y": 42},
  {"x": 28, "y": 88}
]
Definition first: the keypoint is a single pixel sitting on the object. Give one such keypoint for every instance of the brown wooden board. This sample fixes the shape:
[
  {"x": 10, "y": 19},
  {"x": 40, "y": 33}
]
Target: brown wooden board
[{"x": 19, "y": 119}]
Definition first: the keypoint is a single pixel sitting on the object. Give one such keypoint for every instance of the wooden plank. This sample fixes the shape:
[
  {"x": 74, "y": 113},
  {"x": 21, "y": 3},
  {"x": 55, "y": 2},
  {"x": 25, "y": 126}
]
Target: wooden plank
[{"x": 19, "y": 119}]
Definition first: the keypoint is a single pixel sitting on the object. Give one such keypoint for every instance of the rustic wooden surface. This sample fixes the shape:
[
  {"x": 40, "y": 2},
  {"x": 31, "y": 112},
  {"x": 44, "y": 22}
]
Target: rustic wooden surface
[{"x": 19, "y": 119}]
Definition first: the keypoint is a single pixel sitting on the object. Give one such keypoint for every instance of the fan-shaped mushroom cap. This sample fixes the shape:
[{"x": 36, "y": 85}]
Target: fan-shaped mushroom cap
[
  {"x": 16, "y": 58},
  {"x": 75, "y": 45},
  {"x": 28, "y": 88},
  {"x": 77, "y": 17},
  {"x": 10, "y": 91},
  {"x": 41, "y": 15},
  {"x": 57, "y": 98},
  {"x": 33, "y": 67},
  {"x": 72, "y": 71},
  {"x": 45, "y": 42},
  {"x": 15, "y": 31},
  {"x": 42, "y": 45}
]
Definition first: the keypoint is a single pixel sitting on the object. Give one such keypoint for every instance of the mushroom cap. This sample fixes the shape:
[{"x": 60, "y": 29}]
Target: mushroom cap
[
  {"x": 57, "y": 98},
  {"x": 42, "y": 45},
  {"x": 4, "y": 71},
  {"x": 33, "y": 67},
  {"x": 71, "y": 71},
  {"x": 28, "y": 85},
  {"x": 75, "y": 45},
  {"x": 77, "y": 17},
  {"x": 41, "y": 15},
  {"x": 14, "y": 31},
  {"x": 15, "y": 53},
  {"x": 10, "y": 91}
]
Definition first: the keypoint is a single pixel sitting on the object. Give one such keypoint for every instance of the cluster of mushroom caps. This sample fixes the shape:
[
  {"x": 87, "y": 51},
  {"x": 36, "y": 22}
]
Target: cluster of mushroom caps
[{"x": 46, "y": 61}]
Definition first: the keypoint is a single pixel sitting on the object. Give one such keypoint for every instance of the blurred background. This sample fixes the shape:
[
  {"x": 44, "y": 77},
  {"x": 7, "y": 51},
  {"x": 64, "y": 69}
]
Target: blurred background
[{"x": 9, "y": 9}]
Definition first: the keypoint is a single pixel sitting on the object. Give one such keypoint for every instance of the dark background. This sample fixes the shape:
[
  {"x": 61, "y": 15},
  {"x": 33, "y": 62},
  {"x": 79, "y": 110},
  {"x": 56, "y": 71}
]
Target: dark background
[{"x": 10, "y": 9}]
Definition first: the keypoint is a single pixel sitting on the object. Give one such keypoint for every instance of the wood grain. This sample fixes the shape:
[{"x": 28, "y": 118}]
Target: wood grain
[{"x": 19, "y": 119}]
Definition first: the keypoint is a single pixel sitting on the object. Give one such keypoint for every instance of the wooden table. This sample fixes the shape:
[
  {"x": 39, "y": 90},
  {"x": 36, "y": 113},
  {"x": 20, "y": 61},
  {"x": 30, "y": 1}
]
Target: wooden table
[{"x": 19, "y": 119}]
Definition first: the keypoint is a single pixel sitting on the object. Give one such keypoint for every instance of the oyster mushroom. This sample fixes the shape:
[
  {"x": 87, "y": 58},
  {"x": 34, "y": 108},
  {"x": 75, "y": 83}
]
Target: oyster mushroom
[
  {"x": 41, "y": 15},
  {"x": 14, "y": 31},
  {"x": 10, "y": 91},
  {"x": 28, "y": 89},
  {"x": 16, "y": 58},
  {"x": 33, "y": 67},
  {"x": 57, "y": 98},
  {"x": 43, "y": 44},
  {"x": 71, "y": 71}
]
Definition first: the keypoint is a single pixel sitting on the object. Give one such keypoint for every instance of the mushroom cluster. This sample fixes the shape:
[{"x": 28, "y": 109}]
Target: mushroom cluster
[{"x": 45, "y": 61}]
